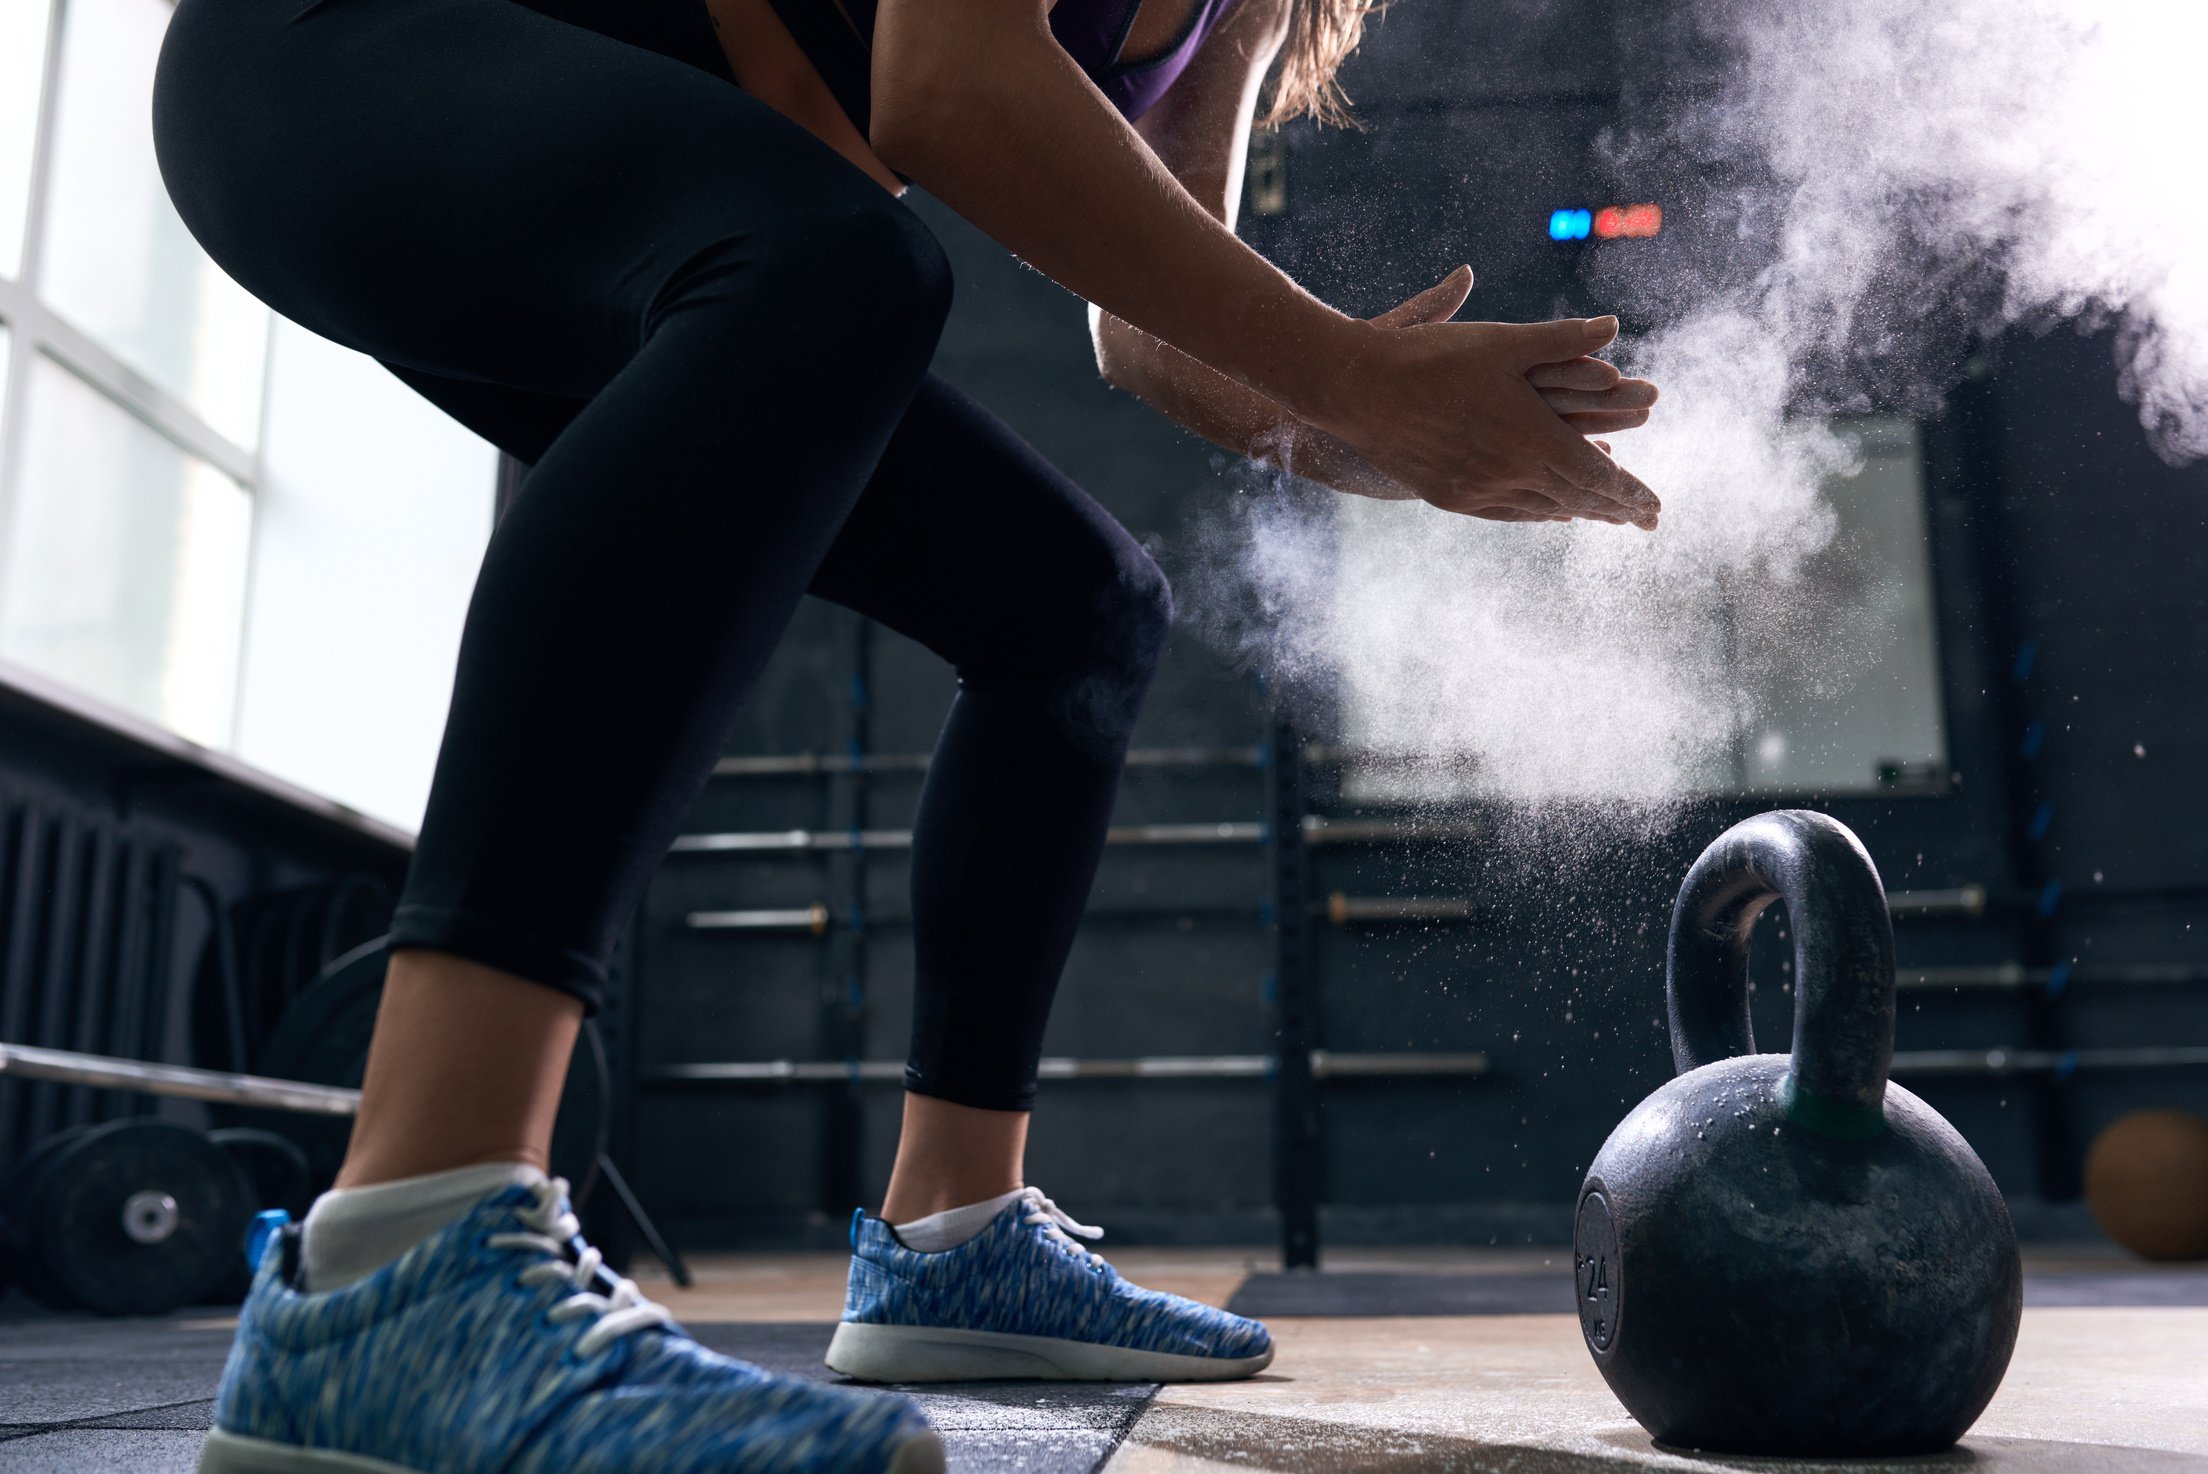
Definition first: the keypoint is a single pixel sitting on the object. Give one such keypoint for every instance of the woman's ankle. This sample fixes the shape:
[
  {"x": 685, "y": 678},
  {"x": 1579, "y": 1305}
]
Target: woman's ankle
[
  {"x": 952, "y": 1156},
  {"x": 466, "y": 1068}
]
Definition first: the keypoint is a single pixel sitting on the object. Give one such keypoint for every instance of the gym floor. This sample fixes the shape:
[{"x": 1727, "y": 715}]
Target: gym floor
[{"x": 1412, "y": 1361}]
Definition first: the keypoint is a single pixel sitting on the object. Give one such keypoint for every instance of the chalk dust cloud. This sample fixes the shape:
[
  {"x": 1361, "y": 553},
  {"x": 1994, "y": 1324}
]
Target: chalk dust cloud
[{"x": 1873, "y": 189}]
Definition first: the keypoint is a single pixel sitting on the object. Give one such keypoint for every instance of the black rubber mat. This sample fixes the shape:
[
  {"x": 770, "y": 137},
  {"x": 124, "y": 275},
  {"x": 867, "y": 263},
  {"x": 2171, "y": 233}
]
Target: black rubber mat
[
  {"x": 1377, "y": 1293},
  {"x": 79, "y": 1394},
  {"x": 2187, "y": 1285},
  {"x": 1368, "y": 1293}
]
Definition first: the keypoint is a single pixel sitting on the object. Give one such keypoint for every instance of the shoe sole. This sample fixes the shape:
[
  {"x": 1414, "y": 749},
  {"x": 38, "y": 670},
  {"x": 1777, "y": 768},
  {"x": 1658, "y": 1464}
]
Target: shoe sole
[
  {"x": 234, "y": 1453},
  {"x": 872, "y": 1353}
]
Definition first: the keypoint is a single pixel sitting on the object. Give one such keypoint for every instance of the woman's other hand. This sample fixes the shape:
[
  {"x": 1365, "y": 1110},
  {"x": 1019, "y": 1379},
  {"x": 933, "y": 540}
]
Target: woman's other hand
[{"x": 1487, "y": 419}]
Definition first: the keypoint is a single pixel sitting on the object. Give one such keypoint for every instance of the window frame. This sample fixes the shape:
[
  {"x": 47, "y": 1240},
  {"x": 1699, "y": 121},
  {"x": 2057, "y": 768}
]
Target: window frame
[{"x": 36, "y": 330}]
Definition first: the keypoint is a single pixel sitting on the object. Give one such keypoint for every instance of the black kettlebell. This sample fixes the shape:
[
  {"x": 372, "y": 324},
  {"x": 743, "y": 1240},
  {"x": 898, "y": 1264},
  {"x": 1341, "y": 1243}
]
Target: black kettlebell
[{"x": 1787, "y": 1254}]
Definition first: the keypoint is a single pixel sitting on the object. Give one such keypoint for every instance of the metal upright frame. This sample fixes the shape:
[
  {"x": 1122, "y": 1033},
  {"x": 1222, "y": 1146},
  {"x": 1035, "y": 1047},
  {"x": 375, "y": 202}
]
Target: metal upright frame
[
  {"x": 1298, "y": 1143},
  {"x": 2013, "y": 656},
  {"x": 843, "y": 1000}
]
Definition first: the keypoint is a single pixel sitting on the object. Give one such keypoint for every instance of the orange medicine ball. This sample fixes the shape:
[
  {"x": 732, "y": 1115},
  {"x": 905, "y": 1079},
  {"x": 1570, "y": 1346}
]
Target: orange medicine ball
[{"x": 2146, "y": 1180}]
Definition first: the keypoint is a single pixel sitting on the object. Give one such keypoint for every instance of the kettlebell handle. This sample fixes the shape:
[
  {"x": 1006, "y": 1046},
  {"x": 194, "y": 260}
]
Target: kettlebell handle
[{"x": 1843, "y": 963}]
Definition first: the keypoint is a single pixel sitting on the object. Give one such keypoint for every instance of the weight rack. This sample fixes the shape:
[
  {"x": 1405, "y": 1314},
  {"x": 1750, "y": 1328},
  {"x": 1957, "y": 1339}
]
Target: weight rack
[{"x": 1287, "y": 833}]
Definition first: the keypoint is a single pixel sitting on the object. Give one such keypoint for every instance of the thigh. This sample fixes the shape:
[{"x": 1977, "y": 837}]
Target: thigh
[
  {"x": 965, "y": 539},
  {"x": 470, "y": 188},
  {"x": 521, "y": 422},
  {"x": 968, "y": 541}
]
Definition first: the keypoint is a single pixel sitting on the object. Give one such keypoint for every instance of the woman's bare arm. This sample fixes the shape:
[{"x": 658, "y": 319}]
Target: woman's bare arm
[
  {"x": 978, "y": 103},
  {"x": 1200, "y": 130},
  {"x": 975, "y": 100}
]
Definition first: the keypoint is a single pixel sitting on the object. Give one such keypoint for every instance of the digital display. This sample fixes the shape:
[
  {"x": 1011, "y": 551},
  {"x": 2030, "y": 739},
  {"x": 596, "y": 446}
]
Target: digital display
[{"x": 1610, "y": 223}]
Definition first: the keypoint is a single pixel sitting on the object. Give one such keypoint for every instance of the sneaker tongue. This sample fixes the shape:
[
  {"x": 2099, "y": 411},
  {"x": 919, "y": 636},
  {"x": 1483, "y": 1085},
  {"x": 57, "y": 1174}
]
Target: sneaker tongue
[
  {"x": 519, "y": 1195},
  {"x": 604, "y": 1281}
]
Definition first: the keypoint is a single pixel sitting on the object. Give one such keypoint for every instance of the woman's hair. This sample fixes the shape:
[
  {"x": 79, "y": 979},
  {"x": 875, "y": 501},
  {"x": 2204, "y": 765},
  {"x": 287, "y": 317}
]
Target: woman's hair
[{"x": 1321, "y": 35}]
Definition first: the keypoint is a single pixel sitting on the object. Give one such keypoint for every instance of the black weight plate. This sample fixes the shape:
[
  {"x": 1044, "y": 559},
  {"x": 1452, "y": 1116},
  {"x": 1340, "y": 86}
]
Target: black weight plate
[
  {"x": 30, "y": 1270},
  {"x": 323, "y": 1040},
  {"x": 275, "y": 1168},
  {"x": 9, "y": 1253},
  {"x": 137, "y": 1217}
]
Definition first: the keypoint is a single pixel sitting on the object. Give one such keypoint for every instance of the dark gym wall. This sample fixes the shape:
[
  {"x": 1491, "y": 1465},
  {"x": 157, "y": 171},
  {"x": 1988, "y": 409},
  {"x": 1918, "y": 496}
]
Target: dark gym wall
[{"x": 2054, "y": 531}]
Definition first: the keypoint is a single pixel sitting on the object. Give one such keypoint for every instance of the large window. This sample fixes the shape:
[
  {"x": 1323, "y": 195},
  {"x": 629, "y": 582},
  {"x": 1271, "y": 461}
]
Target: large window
[
  {"x": 208, "y": 518},
  {"x": 1512, "y": 684},
  {"x": 133, "y": 391}
]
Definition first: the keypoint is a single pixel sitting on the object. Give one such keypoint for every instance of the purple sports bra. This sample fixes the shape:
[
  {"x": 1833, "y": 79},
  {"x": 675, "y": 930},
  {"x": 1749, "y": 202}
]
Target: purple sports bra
[{"x": 1091, "y": 31}]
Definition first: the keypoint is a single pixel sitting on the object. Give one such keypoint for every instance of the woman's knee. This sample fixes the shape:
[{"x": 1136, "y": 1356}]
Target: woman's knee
[
  {"x": 1128, "y": 616},
  {"x": 878, "y": 261},
  {"x": 1138, "y": 612},
  {"x": 899, "y": 245}
]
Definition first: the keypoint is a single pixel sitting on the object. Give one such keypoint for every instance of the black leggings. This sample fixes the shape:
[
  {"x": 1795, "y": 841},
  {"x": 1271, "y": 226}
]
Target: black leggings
[{"x": 709, "y": 337}]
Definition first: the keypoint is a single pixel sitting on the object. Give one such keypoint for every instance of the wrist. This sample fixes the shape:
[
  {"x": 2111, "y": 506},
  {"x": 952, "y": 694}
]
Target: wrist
[
  {"x": 1317, "y": 372},
  {"x": 1312, "y": 454}
]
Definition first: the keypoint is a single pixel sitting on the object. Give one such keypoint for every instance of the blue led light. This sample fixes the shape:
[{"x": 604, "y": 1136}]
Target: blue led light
[{"x": 1570, "y": 225}]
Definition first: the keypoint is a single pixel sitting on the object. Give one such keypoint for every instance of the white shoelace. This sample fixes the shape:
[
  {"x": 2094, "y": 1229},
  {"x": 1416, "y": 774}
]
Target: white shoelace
[
  {"x": 1056, "y": 1224},
  {"x": 619, "y": 1313}
]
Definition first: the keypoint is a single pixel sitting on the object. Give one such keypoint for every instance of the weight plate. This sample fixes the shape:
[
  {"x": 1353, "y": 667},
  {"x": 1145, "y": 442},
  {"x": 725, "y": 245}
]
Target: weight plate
[
  {"x": 275, "y": 1168},
  {"x": 30, "y": 1270},
  {"x": 277, "y": 1172},
  {"x": 323, "y": 1039},
  {"x": 136, "y": 1217}
]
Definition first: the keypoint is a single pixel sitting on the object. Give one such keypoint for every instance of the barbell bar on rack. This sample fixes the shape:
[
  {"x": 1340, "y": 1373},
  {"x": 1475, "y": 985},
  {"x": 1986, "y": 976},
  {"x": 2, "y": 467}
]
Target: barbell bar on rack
[
  {"x": 818, "y": 918},
  {"x": 833, "y": 764},
  {"x": 1343, "y": 909},
  {"x": 1316, "y": 831},
  {"x": 2016, "y": 976},
  {"x": 1339, "y": 1065},
  {"x": 842, "y": 764},
  {"x": 1325, "y": 1064},
  {"x": 67, "y": 1067},
  {"x": 2004, "y": 1061}
]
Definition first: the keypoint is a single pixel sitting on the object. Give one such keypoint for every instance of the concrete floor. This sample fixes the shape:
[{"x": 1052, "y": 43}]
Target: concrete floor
[{"x": 2110, "y": 1390}]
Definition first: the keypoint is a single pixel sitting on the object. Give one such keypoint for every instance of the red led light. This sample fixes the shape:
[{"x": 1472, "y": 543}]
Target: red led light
[{"x": 1628, "y": 222}]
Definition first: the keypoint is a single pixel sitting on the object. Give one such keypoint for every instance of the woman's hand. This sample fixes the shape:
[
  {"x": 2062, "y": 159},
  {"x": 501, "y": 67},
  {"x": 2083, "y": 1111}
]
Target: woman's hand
[
  {"x": 1589, "y": 394},
  {"x": 1583, "y": 392}
]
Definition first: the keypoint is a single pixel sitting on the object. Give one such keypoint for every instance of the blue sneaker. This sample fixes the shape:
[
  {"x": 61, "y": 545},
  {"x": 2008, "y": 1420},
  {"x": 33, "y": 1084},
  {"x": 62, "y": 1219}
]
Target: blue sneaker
[
  {"x": 500, "y": 1346},
  {"x": 1024, "y": 1300}
]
